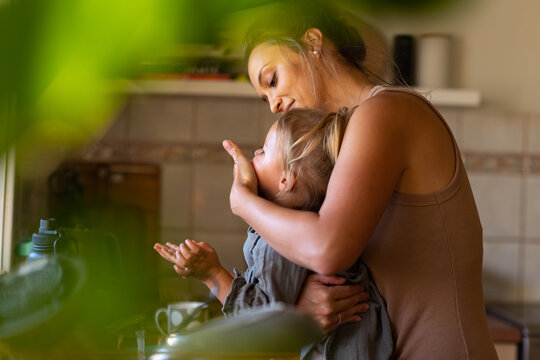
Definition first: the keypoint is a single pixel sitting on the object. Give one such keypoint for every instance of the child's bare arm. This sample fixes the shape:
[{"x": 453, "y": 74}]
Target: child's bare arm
[{"x": 199, "y": 260}]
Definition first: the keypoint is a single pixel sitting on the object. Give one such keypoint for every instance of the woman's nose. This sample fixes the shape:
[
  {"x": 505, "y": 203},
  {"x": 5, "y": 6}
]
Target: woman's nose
[{"x": 276, "y": 105}]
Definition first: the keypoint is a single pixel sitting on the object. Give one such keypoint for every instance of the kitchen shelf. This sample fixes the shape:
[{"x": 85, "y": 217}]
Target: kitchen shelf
[{"x": 223, "y": 88}]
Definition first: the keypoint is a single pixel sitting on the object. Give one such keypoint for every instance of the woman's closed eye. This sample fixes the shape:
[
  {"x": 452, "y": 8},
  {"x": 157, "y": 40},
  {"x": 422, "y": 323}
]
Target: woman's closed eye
[{"x": 273, "y": 81}]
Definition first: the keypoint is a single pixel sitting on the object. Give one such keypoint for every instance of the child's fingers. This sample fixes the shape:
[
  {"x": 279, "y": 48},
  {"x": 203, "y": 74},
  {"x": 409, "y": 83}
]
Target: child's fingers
[
  {"x": 180, "y": 259},
  {"x": 164, "y": 253},
  {"x": 193, "y": 246},
  {"x": 168, "y": 249},
  {"x": 185, "y": 251},
  {"x": 173, "y": 246},
  {"x": 165, "y": 250},
  {"x": 205, "y": 246},
  {"x": 181, "y": 271}
]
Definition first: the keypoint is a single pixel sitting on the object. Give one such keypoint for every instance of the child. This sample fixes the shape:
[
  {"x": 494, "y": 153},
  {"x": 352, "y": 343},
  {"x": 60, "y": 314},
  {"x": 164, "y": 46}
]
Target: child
[{"x": 293, "y": 169}]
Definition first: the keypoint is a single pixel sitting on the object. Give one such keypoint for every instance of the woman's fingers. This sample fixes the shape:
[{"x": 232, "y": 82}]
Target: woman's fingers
[
  {"x": 244, "y": 174},
  {"x": 356, "y": 302},
  {"x": 349, "y": 291},
  {"x": 327, "y": 280},
  {"x": 234, "y": 151}
]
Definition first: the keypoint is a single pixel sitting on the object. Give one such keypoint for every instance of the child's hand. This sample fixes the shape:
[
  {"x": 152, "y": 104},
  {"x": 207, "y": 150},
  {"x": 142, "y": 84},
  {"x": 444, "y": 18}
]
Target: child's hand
[{"x": 190, "y": 258}]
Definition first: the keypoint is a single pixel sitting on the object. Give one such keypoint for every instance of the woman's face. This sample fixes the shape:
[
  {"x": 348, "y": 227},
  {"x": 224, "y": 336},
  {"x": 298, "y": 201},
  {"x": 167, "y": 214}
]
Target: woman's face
[
  {"x": 279, "y": 78},
  {"x": 268, "y": 166}
]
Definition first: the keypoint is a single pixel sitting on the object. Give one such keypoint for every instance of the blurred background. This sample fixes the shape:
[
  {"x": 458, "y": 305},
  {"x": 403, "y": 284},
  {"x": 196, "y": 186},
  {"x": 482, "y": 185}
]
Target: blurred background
[{"x": 112, "y": 116}]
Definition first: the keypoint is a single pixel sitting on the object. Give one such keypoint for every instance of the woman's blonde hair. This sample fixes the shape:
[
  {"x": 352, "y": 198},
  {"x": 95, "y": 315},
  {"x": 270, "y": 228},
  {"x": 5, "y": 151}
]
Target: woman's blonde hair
[{"x": 310, "y": 141}]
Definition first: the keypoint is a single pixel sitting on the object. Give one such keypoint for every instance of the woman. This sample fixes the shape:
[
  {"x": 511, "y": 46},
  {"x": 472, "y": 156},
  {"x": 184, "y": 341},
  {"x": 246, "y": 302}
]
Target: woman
[{"x": 398, "y": 195}]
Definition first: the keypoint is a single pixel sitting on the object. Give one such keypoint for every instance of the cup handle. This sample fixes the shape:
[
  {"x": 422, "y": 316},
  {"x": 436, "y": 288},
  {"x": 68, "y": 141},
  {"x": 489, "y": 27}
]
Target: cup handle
[{"x": 158, "y": 312}]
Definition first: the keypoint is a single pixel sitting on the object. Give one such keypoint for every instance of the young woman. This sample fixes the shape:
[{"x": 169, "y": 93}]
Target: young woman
[
  {"x": 398, "y": 196},
  {"x": 292, "y": 168}
]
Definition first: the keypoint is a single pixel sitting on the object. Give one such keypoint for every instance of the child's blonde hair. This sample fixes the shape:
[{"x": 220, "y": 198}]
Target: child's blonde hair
[{"x": 310, "y": 141}]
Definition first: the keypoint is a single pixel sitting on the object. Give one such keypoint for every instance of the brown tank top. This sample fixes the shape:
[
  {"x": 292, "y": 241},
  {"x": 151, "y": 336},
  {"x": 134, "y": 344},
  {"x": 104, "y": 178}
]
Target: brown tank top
[{"x": 426, "y": 259}]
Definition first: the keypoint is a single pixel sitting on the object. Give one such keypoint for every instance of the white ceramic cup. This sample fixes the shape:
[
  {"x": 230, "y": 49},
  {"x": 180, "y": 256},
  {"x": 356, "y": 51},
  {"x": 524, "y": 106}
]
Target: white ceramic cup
[{"x": 177, "y": 312}]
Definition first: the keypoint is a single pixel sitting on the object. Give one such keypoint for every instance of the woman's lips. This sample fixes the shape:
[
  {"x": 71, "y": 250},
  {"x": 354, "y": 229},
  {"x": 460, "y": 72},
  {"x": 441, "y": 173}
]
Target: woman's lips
[{"x": 290, "y": 106}]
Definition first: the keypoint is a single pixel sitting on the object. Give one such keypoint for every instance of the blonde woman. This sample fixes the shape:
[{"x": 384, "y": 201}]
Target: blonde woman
[{"x": 398, "y": 196}]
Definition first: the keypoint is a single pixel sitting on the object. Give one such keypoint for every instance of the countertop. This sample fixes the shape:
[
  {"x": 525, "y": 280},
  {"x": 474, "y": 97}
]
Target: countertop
[{"x": 502, "y": 331}]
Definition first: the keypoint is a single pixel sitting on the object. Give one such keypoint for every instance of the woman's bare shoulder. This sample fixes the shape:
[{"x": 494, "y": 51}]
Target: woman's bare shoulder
[
  {"x": 396, "y": 109},
  {"x": 410, "y": 126}
]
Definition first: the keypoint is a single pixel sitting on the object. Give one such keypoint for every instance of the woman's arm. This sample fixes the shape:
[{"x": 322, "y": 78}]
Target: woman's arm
[{"x": 372, "y": 158}]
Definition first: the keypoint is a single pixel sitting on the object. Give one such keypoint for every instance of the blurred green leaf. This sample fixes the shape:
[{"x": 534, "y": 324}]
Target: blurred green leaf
[{"x": 59, "y": 59}]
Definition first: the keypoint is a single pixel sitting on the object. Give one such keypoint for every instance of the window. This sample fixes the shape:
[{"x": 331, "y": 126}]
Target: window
[{"x": 7, "y": 190}]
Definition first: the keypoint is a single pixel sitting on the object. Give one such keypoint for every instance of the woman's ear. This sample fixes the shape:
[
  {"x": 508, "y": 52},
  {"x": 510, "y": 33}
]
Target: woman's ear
[
  {"x": 286, "y": 183},
  {"x": 314, "y": 38}
]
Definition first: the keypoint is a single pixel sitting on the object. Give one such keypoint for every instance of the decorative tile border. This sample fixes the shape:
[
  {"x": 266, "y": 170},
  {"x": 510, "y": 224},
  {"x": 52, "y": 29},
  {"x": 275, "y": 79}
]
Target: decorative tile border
[
  {"x": 502, "y": 163},
  {"x": 494, "y": 163},
  {"x": 534, "y": 164},
  {"x": 158, "y": 152}
]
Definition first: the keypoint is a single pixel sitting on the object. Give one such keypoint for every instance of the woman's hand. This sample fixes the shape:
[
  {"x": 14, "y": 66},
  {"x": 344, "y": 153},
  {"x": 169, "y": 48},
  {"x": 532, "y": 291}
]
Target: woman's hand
[
  {"x": 331, "y": 303},
  {"x": 245, "y": 178}
]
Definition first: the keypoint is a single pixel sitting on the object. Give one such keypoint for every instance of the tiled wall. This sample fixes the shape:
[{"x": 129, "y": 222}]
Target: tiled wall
[
  {"x": 502, "y": 155},
  {"x": 184, "y": 134}
]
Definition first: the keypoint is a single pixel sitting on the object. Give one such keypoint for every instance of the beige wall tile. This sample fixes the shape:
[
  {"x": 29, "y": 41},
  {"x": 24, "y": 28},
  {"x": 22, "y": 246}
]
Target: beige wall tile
[
  {"x": 534, "y": 135},
  {"x": 117, "y": 128},
  {"x": 176, "y": 199},
  {"x": 217, "y": 119},
  {"x": 498, "y": 198},
  {"x": 492, "y": 131},
  {"x": 212, "y": 186},
  {"x": 532, "y": 220},
  {"x": 228, "y": 245},
  {"x": 501, "y": 272},
  {"x": 452, "y": 117},
  {"x": 161, "y": 118},
  {"x": 531, "y": 275}
]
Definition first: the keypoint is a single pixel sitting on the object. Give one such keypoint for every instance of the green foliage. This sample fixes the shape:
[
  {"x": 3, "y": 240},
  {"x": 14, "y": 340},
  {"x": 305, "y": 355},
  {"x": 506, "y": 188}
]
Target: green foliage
[{"x": 60, "y": 60}]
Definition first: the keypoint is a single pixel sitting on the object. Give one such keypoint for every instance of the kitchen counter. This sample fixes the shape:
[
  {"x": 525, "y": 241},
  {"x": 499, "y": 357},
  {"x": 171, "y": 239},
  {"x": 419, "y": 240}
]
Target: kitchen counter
[
  {"x": 502, "y": 331},
  {"x": 506, "y": 336}
]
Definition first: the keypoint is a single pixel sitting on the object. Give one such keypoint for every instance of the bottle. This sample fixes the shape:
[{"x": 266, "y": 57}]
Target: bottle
[
  {"x": 404, "y": 59},
  {"x": 434, "y": 60},
  {"x": 43, "y": 242}
]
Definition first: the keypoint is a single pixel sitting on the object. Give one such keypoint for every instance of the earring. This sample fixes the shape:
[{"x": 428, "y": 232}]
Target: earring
[{"x": 315, "y": 52}]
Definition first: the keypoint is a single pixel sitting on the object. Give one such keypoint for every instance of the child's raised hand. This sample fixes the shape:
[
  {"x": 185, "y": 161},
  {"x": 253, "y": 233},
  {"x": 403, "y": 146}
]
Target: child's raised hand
[{"x": 190, "y": 258}]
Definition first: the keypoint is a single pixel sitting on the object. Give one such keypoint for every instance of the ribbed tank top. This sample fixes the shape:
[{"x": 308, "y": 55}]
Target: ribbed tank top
[{"x": 426, "y": 258}]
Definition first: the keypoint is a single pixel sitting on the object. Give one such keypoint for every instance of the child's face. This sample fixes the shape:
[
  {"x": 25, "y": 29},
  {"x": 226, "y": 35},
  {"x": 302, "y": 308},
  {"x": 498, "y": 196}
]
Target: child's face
[{"x": 268, "y": 166}]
